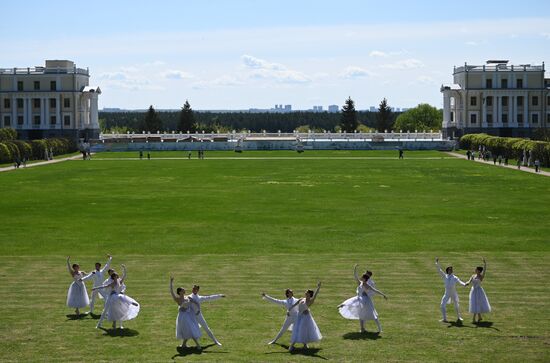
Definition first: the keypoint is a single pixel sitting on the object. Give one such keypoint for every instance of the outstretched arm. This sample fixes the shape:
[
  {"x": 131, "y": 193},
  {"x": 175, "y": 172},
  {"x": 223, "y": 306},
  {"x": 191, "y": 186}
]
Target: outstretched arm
[
  {"x": 367, "y": 287},
  {"x": 88, "y": 276},
  {"x": 273, "y": 300},
  {"x": 174, "y": 296},
  {"x": 108, "y": 264},
  {"x": 460, "y": 281},
  {"x": 211, "y": 297},
  {"x": 355, "y": 273},
  {"x": 439, "y": 270},
  {"x": 104, "y": 286},
  {"x": 469, "y": 281},
  {"x": 295, "y": 304}
]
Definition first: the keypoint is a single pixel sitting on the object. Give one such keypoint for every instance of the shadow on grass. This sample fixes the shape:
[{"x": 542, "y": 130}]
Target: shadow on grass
[
  {"x": 362, "y": 336},
  {"x": 310, "y": 352},
  {"x": 185, "y": 351},
  {"x": 120, "y": 332},
  {"x": 458, "y": 324},
  {"x": 75, "y": 316},
  {"x": 485, "y": 324},
  {"x": 94, "y": 316}
]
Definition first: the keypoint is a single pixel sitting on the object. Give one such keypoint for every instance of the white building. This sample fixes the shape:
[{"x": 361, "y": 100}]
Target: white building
[
  {"x": 51, "y": 101},
  {"x": 333, "y": 109},
  {"x": 497, "y": 98}
]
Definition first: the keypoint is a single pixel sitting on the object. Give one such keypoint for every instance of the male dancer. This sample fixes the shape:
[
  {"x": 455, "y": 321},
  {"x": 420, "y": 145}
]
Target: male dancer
[
  {"x": 291, "y": 313},
  {"x": 97, "y": 277},
  {"x": 450, "y": 281},
  {"x": 106, "y": 294},
  {"x": 197, "y": 310}
]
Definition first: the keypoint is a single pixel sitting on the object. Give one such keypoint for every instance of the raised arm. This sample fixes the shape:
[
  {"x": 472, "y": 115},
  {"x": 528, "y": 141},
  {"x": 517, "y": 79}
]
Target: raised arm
[
  {"x": 69, "y": 266},
  {"x": 273, "y": 300},
  {"x": 316, "y": 291},
  {"x": 439, "y": 270},
  {"x": 484, "y": 269},
  {"x": 355, "y": 274},
  {"x": 123, "y": 274},
  {"x": 108, "y": 264},
  {"x": 174, "y": 296}
]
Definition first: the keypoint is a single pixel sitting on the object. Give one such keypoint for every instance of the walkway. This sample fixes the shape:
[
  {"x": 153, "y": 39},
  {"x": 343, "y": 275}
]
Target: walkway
[
  {"x": 40, "y": 163},
  {"x": 509, "y": 166}
]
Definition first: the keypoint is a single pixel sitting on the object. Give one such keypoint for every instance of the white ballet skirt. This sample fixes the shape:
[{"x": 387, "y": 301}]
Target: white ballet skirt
[
  {"x": 77, "y": 296},
  {"x": 478, "y": 299},
  {"x": 120, "y": 307},
  {"x": 359, "y": 307},
  {"x": 305, "y": 329},
  {"x": 187, "y": 326}
]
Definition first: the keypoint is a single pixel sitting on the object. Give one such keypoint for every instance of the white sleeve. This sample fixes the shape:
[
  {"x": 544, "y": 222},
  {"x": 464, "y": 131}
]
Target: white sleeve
[
  {"x": 275, "y": 301},
  {"x": 210, "y": 297},
  {"x": 107, "y": 265},
  {"x": 443, "y": 275},
  {"x": 88, "y": 276}
]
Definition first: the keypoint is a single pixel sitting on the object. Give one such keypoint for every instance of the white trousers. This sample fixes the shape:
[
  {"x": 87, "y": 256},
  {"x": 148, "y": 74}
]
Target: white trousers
[
  {"x": 288, "y": 322},
  {"x": 204, "y": 325},
  {"x": 454, "y": 299}
]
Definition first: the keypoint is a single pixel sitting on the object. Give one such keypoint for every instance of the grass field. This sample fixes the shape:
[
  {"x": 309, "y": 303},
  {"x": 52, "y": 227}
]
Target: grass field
[{"x": 241, "y": 224}]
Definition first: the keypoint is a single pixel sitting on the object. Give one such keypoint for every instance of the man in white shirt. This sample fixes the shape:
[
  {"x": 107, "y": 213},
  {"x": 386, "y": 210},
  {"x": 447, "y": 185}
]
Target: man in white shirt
[
  {"x": 291, "y": 311},
  {"x": 196, "y": 308},
  {"x": 450, "y": 281},
  {"x": 97, "y": 277}
]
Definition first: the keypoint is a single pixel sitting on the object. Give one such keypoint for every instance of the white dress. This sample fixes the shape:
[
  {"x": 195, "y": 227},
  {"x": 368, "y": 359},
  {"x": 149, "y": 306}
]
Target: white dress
[
  {"x": 359, "y": 307},
  {"x": 77, "y": 296},
  {"x": 187, "y": 326},
  {"x": 305, "y": 329},
  {"x": 478, "y": 299},
  {"x": 120, "y": 307}
]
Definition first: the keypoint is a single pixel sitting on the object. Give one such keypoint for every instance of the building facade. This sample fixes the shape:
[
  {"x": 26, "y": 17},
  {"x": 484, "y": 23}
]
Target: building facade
[
  {"x": 496, "y": 98},
  {"x": 51, "y": 101}
]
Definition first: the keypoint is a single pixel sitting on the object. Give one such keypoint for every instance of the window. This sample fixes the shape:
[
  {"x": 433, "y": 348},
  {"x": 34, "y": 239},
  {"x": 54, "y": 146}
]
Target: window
[
  {"x": 489, "y": 100},
  {"x": 67, "y": 120},
  {"x": 473, "y": 118},
  {"x": 53, "y": 86},
  {"x": 504, "y": 118},
  {"x": 534, "y": 118},
  {"x": 503, "y": 83},
  {"x": 548, "y": 100},
  {"x": 20, "y": 85},
  {"x": 520, "y": 100},
  {"x": 7, "y": 120},
  {"x": 19, "y": 103},
  {"x": 473, "y": 101},
  {"x": 36, "y": 120},
  {"x": 37, "y": 85},
  {"x": 548, "y": 118},
  {"x": 452, "y": 116},
  {"x": 66, "y": 102},
  {"x": 53, "y": 103},
  {"x": 535, "y": 101},
  {"x": 20, "y": 120},
  {"x": 489, "y": 118},
  {"x": 7, "y": 103},
  {"x": 520, "y": 118},
  {"x": 504, "y": 101},
  {"x": 488, "y": 83},
  {"x": 36, "y": 102},
  {"x": 53, "y": 120},
  {"x": 519, "y": 83}
]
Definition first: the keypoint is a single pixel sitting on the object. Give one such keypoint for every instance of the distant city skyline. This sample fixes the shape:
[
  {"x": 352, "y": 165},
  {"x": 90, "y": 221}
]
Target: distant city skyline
[{"x": 244, "y": 54}]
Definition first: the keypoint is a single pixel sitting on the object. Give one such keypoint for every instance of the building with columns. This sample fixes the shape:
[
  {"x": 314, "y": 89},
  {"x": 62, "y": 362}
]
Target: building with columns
[
  {"x": 51, "y": 101},
  {"x": 496, "y": 98}
]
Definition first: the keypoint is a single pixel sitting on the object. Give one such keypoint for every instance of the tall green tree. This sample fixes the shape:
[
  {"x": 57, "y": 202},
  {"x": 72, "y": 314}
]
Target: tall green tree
[
  {"x": 152, "y": 122},
  {"x": 422, "y": 117},
  {"x": 187, "y": 118},
  {"x": 384, "y": 117},
  {"x": 349, "y": 121}
]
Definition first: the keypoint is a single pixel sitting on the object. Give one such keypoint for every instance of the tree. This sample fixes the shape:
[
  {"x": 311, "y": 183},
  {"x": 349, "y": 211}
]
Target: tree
[
  {"x": 384, "y": 116},
  {"x": 422, "y": 117},
  {"x": 349, "y": 121},
  {"x": 152, "y": 120},
  {"x": 187, "y": 118}
]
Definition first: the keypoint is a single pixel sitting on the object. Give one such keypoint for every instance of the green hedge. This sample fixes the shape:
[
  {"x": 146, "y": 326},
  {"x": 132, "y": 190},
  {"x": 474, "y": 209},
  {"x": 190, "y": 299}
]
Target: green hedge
[
  {"x": 510, "y": 147},
  {"x": 10, "y": 148}
]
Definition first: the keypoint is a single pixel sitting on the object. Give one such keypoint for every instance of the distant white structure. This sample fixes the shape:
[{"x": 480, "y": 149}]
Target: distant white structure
[
  {"x": 373, "y": 109},
  {"x": 50, "y": 101},
  {"x": 333, "y": 109},
  {"x": 496, "y": 98},
  {"x": 317, "y": 109}
]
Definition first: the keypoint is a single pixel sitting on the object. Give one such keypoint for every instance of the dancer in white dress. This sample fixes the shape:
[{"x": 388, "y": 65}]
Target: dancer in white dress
[
  {"x": 118, "y": 307},
  {"x": 360, "y": 307},
  {"x": 187, "y": 326},
  {"x": 305, "y": 329},
  {"x": 97, "y": 277},
  {"x": 197, "y": 310},
  {"x": 291, "y": 311},
  {"x": 77, "y": 296},
  {"x": 478, "y": 299},
  {"x": 450, "y": 281}
]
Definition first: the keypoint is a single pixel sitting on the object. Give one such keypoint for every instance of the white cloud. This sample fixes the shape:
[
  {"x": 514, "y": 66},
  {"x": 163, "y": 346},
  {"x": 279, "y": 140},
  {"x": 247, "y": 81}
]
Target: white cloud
[
  {"x": 175, "y": 74},
  {"x": 257, "y": 63},
  {"x": 265, "y": 70},
  {"x": 410, "y": 63},
  {"x": 353, "y": 72},
  {"x": 427, "y": 80},
  {"x": 378, "y": 53},
  {"x": 545, "y": 35},
  {"x": 112, "y": 76}
]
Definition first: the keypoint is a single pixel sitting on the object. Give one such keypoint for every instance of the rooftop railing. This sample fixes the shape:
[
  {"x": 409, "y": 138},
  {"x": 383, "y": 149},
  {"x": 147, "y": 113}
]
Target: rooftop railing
[
  {"x": 499, "y": 68},
  {"x": 44, "y": 70}
]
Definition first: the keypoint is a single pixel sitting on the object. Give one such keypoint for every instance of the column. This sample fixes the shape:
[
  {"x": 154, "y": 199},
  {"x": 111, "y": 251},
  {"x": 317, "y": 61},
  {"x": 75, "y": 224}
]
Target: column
[
  {"x": 526, "y": 101},
  {"x": 446, "y": 109},
  {"x": 44, "y": 111},
  {"x": 58, "y": 112},
  {"x": 483, "y": 122},
  {"x": 14, "y": 112},
  {"x": 496, "y": 100},
  {"x": 511, "y": 116},
  {"x": 94, "y": 112},
  {"x": 26, "y": 113}
]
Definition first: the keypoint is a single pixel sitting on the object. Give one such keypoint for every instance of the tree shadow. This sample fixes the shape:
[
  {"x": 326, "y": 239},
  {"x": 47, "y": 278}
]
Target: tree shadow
[
  {"x": 185, "y": 351},
  {"x": 485, "y": 324},
  {"x": 362, "y": 336},
  {"x": 75, "y": 316},
  {"x": 310, "y": 352},
  {"x": 120, "y": 332}
]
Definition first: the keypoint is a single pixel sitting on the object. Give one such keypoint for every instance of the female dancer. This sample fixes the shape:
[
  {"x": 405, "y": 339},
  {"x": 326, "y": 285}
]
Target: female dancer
[
  {"x": 478, "y": 299},
  {"x": 77, "y": 296},
  {"x": 305, "y": 329},
  {"x": 187, "y": 326},
  {"x": 361, "y": 306},
  {"x": 119, "y": 307}
]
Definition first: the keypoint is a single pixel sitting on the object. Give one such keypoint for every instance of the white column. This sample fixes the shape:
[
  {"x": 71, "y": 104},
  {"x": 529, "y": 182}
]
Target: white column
[
  {"x": 27, "y": 113},
  {"x": 483, "y": 122},
  {"x": 511, "y": 116},
  {"x": 526, "y": 109},
  {"x": 496, "y": 99},
  {"x": 58, "y": 113},
  {"x": 94, "y": 112},
  {"x": 446, "y": 109},
  {"x": 46, "y": 106},
  {"x": 14, "y": 112}
]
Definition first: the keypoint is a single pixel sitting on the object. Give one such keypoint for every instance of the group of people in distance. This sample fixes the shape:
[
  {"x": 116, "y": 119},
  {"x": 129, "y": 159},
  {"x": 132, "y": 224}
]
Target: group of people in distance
[{"x": 120, "y": 307}]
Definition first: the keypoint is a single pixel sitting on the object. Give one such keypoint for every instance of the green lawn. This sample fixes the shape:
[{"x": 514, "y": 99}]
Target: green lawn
[{"x": 266, "y": 222}]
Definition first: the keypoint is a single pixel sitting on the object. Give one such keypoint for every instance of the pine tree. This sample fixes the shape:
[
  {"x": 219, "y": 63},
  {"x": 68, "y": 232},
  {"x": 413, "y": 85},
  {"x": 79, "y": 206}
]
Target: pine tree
[
  {"x": 384, "y": 116},
  {"x": 153, "y": 123},
  {"x": 349, "y": 121},
  {"x": 187, "y": 119}
]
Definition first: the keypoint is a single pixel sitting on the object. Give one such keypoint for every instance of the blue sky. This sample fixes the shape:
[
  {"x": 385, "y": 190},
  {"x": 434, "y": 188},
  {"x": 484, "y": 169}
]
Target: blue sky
[{"x": 241, "y": 54}]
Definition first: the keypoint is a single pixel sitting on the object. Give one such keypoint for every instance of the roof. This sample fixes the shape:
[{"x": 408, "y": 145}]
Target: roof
[{"x": 90, "y": 89}]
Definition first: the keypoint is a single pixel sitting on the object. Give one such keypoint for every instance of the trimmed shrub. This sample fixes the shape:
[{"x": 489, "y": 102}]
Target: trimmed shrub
[{"x": 5, "y": 154}]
